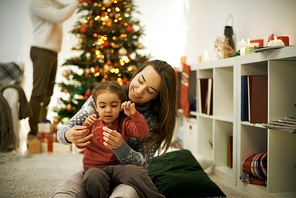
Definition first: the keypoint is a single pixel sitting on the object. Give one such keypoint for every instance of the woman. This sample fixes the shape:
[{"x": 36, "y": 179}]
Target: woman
[{"x": 153, "y": 88}]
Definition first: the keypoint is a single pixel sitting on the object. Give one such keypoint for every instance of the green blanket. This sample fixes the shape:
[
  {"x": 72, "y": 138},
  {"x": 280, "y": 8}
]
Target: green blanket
[{"x": 178, "y": 174}]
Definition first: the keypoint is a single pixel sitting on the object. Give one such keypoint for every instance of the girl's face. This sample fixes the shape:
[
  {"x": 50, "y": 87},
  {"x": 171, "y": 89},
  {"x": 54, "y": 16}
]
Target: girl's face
[
  {"x": 107, "y": 106},
  {"x": 145, "y": 86}
]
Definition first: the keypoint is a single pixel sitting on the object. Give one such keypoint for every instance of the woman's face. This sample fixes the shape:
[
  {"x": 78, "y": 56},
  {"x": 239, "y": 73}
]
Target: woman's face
[{"x": 145, "y": 86}]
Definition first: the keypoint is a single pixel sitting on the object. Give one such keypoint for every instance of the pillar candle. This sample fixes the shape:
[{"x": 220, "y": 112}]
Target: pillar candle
[
  {"x": 249, "y": 47},
  {"x": 242, "y": 51},
  {"x": 241, "y": 44},
  {"x": 206, "y": 57},
  {"x": 275, "y": 42}
]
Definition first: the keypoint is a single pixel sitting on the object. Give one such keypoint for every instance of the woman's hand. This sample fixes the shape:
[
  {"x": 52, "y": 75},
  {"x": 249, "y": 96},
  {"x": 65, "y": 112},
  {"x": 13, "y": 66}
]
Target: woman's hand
[
  {"x": 112, "y": 139},
  {"x": 79, "y": 135}
]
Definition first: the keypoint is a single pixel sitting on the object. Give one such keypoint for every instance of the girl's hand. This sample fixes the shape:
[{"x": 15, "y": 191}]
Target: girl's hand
[
  {"x": 112, "y": 139},
  {"x": 79, "y": 135},
  {"x": 91, "y": 120},
  {"x": 128, "y": 108}
]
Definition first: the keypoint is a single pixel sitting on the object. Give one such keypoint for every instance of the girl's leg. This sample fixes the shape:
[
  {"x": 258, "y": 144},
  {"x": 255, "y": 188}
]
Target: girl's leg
[
  {"x": 97, "y": 182},
  {"x": 136, "y": 177}
]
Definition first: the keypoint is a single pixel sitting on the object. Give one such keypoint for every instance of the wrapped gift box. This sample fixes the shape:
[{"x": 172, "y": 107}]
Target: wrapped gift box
[
  {"x": 60, "y": 148},
  {"x": 34, "y": 146},
  {"x": 55, "y": 147},
  {"x": 47, "y": 147},
  {"x": 47, "y": 137},
  {"x": 47, "y": 127}
]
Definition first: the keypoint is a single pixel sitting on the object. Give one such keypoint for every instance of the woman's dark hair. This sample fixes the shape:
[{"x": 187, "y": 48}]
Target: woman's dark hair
[{"x": 164, "y": 105}]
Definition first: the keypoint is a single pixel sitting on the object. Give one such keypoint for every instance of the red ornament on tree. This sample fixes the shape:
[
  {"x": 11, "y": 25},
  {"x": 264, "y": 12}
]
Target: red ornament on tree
[
  {"x": 109, "y": 63},
  {"x": 90, "y": 2},
  {"x": 106, "y": 44},
  {"x": 83, "y": 30},
  {"x": 87, "y": 93},
  {"x": 97, "y": 68},
  {"x": 124, "y": 80},
  {"x": 130, "y": 29},
  {"x": 86, "y": 73}
]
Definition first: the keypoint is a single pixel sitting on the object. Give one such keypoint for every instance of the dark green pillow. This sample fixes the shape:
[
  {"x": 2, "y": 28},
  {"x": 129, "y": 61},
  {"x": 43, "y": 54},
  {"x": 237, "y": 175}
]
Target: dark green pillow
[{"x": 178, "y": 174}]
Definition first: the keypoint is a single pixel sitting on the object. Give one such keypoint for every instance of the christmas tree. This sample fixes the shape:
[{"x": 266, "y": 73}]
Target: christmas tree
[{"x": 108, "y": 44}]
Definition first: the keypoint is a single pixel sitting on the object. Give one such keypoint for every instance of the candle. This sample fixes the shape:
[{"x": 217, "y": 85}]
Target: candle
[
  {"x": 275, "y": 42},
  {"x": 241, "y": 44},
  {"x": 206, "y": 57},
  {"x": 249, "y": 47},
  {"x": 242, "y": 51}
]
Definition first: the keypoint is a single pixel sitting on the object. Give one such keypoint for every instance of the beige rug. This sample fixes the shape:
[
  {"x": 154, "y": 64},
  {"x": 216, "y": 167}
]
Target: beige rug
[{"x": 38, "y": 175}]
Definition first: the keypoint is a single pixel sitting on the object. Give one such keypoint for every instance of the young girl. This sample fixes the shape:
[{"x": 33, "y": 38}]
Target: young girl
[
  {"x": 153, "y": 89},
  {"x": 108, "y": 97}
]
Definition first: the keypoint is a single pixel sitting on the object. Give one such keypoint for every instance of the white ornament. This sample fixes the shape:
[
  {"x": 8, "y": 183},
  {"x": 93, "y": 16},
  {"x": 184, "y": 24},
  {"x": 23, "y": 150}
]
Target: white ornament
[{"x": 122, "y": 51}]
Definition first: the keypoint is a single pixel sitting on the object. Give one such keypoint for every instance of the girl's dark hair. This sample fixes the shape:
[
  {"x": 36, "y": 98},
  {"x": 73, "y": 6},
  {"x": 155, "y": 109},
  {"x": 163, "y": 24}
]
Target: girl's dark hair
[
  {"x": 164, "y": 105},
  {"x": 113, "y": 87}
]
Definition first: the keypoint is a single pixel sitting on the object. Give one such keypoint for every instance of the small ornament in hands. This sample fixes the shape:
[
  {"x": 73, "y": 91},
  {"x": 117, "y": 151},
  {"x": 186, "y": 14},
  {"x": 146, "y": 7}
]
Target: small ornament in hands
[{"x": 100, "y": 134}]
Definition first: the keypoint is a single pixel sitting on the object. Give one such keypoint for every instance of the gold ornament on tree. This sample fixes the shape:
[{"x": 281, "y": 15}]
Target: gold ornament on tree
[
  {"x": 107, "y": 3},
  {"x": 140, "y": 46},
  {"x": 66, "y": 73},
  {"x": 56, "y": 120},
  {"x": 69, "y": 107},
  {"x": 222, "y": 48},
  {"x": 122, "y": 51}
]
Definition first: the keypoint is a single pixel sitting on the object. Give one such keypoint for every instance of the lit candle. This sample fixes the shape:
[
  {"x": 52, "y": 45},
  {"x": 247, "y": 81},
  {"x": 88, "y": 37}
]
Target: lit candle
[
  {"x": 249, "y": 47},
  {"x": 206, "y": 57},
  {"x": 241, "y": 44}
]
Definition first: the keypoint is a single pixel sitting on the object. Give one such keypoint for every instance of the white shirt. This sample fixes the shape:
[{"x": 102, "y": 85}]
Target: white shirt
[{"x": 47, "y": 17}]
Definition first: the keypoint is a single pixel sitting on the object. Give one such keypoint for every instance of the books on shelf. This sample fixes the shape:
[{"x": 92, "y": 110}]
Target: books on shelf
[
  {"x": 209, "y": 103},
  {"x": 244, "y": 98},
  {"x": 229, "y": 151},
  {"x": 287, "y": 124},
  {"x": 205, "y": 95},
  {"x": 254, "y": 98}
]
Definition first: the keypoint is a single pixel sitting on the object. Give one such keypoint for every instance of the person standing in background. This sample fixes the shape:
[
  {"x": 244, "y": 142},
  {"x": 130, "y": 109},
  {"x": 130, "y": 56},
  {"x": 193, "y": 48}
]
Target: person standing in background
[{"x": 47, "y": 17}]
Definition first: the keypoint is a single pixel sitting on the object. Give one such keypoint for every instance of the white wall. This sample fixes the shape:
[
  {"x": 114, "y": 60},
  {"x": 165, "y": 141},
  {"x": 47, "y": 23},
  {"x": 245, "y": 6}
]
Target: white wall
[
  {"x": 252, "y": 19},
  {"x": 173, "y": 28}
]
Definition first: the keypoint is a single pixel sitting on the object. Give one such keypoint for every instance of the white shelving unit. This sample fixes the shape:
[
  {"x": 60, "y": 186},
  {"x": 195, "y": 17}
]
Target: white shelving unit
[
  {"x": 280, "y": 66},
  {"x": 221, "y": 124}
]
